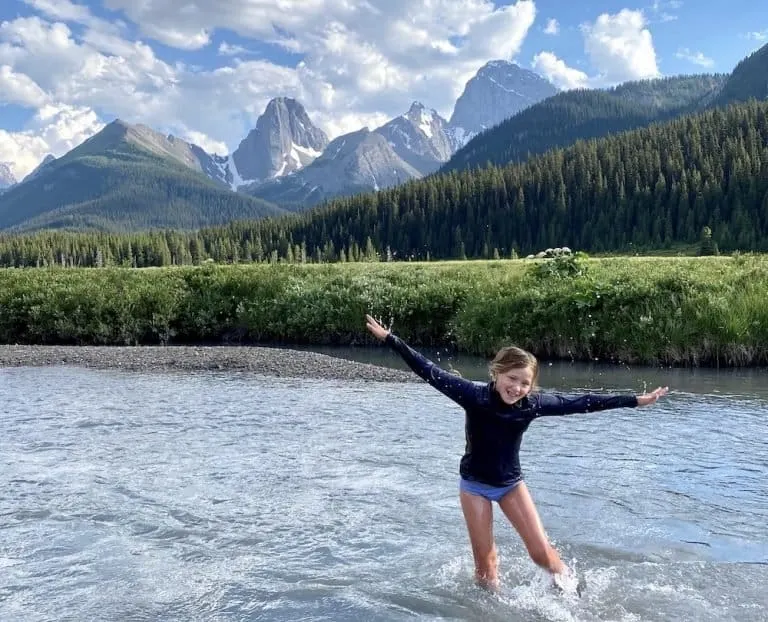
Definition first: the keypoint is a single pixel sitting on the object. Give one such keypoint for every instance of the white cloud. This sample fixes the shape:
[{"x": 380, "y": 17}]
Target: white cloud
[
  {"x": 336, "y": 126},
  {"x": 620, "y": 47},
  {"x": 62, "y": 10},
  {"x": 363, "y": 58},
  {"x": 18, "y": 88},
  {"x": 201, "y": 140},
  {"x": 758, "y": 35},
  {"x": 363, "y": 62},
  {"x": 54, "y": 129},
  {"x": 663, "y": 10},
  {"x": 227, "y": 49},
  {"x": 697, "y": 58},
  {"x": 552, "y": 27},
  {"x": 67, "y": 11},
  {"x": 558, "y": 73}
]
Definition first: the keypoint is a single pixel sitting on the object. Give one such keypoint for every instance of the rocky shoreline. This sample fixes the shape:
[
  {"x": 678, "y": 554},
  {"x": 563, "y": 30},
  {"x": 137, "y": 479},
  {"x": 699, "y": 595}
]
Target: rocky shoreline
[{"x": 276, "y": 362}]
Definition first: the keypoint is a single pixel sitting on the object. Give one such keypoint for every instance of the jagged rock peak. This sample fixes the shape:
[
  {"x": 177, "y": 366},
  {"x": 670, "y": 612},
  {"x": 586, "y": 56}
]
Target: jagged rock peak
[{"x": 283, "y": 141}]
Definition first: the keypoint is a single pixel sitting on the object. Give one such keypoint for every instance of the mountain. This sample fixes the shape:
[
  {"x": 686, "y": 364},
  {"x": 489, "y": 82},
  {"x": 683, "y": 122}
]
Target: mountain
[
  {"x": 649, "y": 188},
  {"x": 420, "y": 138},
  {"x": 748, "y": 80},
  {"x": 420, "y": 141},
  {"x": 361, "y": 161},
  {"x": 125, "y": 177},
  {"x": 283, "y": 141},
  {"x": 584, "y": 114},
  {"x": 499, "y": 90},
  {"x": 7, "y": 178}
]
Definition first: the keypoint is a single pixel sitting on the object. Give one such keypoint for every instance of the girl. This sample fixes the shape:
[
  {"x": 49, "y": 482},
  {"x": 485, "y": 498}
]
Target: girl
[{"x": 497, "y": 415}]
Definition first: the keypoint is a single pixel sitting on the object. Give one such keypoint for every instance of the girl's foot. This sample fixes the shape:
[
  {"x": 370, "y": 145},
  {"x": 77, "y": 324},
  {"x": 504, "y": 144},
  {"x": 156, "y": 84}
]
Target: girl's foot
[{"x": 569, "y": 583}]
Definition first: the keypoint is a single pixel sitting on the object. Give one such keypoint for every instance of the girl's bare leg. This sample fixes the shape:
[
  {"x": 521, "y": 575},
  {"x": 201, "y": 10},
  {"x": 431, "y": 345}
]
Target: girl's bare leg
[
  {"x": 478, "y": 513},
  {"x": 519, "y": 508}
]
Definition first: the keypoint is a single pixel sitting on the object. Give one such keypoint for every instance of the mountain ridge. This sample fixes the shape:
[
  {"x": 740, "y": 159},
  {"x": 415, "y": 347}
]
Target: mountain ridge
[{"x": 353, "y": 169}]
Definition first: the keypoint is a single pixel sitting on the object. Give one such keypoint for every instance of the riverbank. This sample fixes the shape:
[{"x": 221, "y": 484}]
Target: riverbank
[
  {"x": 687, "y": 311},
  {"x": 282, "y": 363}
]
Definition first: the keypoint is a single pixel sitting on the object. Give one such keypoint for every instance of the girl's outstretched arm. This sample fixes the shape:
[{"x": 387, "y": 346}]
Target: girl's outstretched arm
[
  {"x": 548, "y": 404},
  {"x": 460, "y": 390}
]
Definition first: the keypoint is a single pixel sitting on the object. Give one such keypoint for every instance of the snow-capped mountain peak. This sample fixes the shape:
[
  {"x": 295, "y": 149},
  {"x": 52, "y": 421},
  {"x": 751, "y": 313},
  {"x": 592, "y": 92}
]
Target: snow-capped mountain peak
[
  {"x": 283, "y": 141},
  {"x": 423, "y": 119}
]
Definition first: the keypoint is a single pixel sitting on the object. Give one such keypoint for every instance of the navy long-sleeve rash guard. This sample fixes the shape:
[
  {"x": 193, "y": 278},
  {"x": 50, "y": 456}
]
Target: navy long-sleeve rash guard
[{"x": 494, "y": 429}]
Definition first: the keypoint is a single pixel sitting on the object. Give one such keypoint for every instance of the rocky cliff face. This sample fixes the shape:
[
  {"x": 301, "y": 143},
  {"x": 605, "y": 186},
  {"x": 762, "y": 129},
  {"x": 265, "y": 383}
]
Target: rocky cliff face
[
  {"x": 499, "y": 90},
  {"x": 361, "y": 161},
  {"x": 283, "y": 141},
  {"x": 420, "y": 137}
]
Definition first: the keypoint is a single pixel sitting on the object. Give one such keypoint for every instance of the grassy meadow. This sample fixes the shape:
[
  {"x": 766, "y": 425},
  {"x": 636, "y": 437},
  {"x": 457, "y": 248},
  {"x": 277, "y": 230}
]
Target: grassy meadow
[{"x": 654, "y": 310}]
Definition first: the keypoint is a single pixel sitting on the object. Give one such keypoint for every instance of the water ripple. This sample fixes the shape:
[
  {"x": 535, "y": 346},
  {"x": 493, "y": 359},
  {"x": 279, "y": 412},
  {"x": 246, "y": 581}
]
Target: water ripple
[{"x": 232, "y": 497}]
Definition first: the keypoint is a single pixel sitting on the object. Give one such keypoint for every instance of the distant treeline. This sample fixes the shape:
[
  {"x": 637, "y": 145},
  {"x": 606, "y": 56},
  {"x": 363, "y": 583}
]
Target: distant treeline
[{"x": 652, "y": 188}]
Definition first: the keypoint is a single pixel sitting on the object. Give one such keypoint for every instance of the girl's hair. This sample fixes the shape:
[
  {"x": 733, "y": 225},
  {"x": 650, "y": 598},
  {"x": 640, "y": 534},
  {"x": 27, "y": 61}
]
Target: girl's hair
[{"x": 513, "y": 357}]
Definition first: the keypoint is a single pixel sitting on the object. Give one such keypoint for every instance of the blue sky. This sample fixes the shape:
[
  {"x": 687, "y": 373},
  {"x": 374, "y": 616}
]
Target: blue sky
[
  {"x": 723, "y": 32},
  {"x": 205, "y": 69}
]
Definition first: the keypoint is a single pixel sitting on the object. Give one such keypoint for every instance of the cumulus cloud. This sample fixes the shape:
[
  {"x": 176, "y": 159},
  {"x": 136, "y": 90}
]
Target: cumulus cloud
[
  {"x": 361, "y": 63},
  {"x": 558, "y": 73},
  {"x": 552, "y": 27},
  {"x": 62, "y": 10},
  {"x": 18, "y": 88},
  {"x": 201, "y": 140},
  {"x": 697, "y": 58},
  {"x": 364, "y": 58},
  {"x": 56, "y": 129},
  {"x": 620, "y": 47}
]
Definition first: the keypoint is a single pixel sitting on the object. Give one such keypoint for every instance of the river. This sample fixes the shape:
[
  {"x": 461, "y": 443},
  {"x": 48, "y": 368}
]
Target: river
[{"x": 232, "y": 496}]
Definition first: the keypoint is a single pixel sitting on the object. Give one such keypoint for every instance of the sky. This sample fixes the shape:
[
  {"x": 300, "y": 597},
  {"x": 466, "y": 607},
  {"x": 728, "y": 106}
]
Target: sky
[{"x": 204, "y": 70}]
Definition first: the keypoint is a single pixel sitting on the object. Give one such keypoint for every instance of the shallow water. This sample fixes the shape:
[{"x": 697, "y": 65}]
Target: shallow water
[{"x": 228, "y": 496}]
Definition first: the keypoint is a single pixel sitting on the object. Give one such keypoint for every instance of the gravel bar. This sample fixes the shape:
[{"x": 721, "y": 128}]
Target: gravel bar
[{"x": 277, "y": 362}]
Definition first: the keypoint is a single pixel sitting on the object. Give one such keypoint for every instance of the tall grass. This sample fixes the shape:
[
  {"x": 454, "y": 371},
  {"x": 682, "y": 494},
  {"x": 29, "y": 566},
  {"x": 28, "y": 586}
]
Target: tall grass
[{"x": 677, "y": 311}]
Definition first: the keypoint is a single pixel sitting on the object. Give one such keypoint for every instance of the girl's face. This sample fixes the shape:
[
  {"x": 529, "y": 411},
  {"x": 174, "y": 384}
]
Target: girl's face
[{"x": 514, "y": 384}]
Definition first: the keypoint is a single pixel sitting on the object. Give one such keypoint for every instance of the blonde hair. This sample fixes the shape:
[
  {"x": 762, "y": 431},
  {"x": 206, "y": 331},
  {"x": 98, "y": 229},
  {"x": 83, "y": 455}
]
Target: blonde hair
[{"x": 513, "y": 357}]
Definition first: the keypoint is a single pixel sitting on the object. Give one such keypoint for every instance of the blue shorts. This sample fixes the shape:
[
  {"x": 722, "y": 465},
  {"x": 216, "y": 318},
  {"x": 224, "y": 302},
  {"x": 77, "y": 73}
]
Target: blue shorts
[{"x": 492, "y": 493}]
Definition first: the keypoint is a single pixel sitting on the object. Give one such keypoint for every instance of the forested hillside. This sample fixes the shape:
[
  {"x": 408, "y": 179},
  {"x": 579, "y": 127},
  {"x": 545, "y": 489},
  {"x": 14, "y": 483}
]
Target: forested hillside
[
  {"x": 573, "y": 115},
  {"x": 653, "y": 187},
  {"x": 748, "y": 80},
  {"x": 111, "y": 184},
  {"x": 581, "y": 114}
]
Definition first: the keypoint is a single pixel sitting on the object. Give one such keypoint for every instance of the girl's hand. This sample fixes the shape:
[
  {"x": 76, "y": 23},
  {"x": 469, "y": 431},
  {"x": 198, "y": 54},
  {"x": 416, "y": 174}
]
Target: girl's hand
[
  {"x": 650, "y": 398},
  {"x": 376, "y": 329}
]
